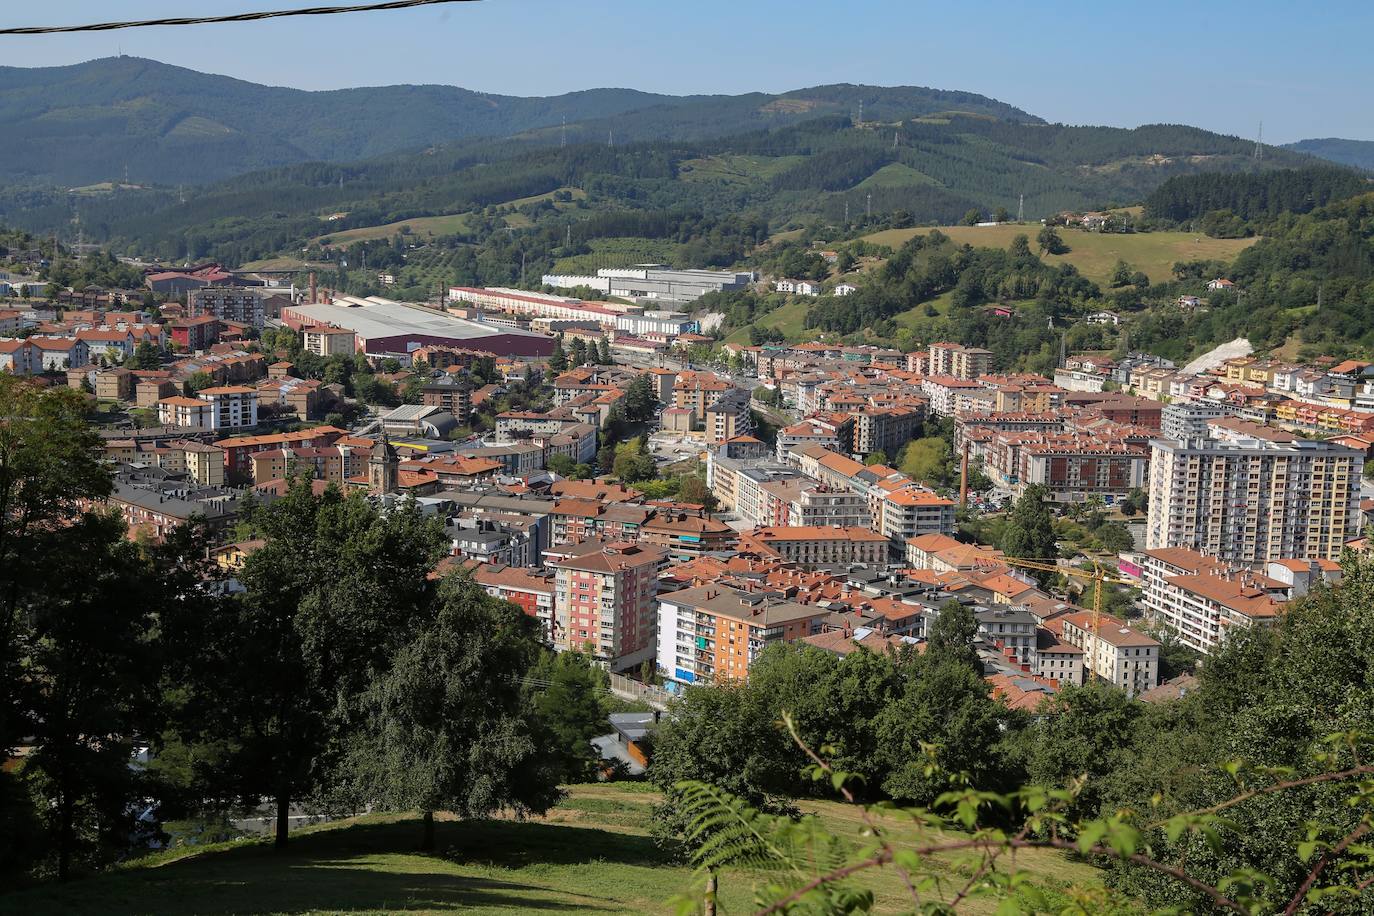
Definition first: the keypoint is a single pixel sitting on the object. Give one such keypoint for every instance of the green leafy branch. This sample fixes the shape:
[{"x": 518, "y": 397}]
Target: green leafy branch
[{"x": 725, "y": 831}]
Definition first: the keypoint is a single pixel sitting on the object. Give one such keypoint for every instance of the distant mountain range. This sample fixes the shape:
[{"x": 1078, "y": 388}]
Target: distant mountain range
[
  {"x": 105, "y": 119},
  {"x": 1357, "y": 153}
]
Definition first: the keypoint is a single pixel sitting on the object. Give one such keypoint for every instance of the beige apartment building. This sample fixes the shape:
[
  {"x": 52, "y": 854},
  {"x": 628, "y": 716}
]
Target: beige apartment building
[{"x": 1249, "y": 501}]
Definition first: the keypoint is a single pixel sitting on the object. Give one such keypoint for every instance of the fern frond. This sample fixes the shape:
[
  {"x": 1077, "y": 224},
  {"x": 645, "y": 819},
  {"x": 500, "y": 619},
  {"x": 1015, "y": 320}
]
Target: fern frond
[{"x": 723, "y": 829}]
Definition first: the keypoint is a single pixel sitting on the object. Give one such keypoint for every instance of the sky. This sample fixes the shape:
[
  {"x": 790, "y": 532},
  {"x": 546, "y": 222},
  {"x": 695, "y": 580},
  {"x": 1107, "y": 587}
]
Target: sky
[{"x": 1303, "y": 69}]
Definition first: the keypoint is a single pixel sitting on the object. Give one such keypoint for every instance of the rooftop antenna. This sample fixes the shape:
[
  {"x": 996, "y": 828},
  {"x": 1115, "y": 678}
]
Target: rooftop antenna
[
  {"x": 1021, "y": 209},
  {"x": 1259, "y": 147}
]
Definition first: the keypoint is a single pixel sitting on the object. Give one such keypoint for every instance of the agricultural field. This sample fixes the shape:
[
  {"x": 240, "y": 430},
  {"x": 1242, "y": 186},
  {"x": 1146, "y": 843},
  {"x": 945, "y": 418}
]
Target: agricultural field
[
  {"x": 896, "y": 175},
  {"x": 431, "y": 226},
  {"x": 790, "y": 319},
  {"x": 420, "y": 227},
  {"x": 617, "y": 252},
  {"x": 592, "y": 854},
  {"x": 734, "y": 169},
  {"x": 1094, "y": 253}
]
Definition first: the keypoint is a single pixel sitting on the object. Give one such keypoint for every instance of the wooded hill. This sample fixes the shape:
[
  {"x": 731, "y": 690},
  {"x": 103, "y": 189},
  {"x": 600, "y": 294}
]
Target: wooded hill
[
  {"x": 933, "y": 169},
  {"x": 1359, "y": 153},
  {"x": 89, "y": 122}
]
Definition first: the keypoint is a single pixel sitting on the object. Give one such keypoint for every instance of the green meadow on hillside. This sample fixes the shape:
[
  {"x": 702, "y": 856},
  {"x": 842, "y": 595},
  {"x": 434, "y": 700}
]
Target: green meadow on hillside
[
  {"x": 592, "y": 854},
  {"x": 1094, "y": 253}
]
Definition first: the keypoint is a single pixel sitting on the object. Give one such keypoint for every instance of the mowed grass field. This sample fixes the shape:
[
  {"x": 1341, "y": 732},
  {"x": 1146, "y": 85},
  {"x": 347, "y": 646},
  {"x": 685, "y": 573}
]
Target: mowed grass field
[
  {"x": 1094, "y": 253},
  {"x": 790, "y": 319},
  {"x": 592, "y": 854},
  {"x": 430, "y": 226}
]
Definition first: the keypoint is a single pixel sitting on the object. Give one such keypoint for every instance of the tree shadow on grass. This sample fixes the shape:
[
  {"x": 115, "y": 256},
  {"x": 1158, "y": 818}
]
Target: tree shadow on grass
[
  {"x": 368, "y": 866},
  {"x": 516, "y": 844}
]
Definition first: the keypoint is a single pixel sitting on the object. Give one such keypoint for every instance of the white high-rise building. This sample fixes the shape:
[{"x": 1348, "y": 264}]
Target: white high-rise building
[{"x": 1247, "y": 501}]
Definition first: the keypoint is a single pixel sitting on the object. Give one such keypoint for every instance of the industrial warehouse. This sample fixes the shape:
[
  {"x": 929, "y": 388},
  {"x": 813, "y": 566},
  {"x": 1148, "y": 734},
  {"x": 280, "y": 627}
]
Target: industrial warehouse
[{"x": 383, "y": 327}]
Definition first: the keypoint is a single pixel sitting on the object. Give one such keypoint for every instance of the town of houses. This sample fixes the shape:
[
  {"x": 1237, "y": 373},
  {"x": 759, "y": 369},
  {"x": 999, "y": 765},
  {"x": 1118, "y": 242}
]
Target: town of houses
[{"x": 1252, "y": 468}]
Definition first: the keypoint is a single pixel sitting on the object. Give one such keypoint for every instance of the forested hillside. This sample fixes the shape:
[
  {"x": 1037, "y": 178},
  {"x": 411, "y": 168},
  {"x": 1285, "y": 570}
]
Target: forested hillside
[
  {"x": 99, "y": 120},
  {"x": 1253, "y": 196},
  {"x": 1359, "y": 153},
  {"x": 932, "y": 170}
]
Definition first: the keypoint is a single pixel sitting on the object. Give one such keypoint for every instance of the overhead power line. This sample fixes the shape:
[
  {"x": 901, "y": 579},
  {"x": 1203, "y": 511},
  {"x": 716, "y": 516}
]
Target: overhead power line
[{"x": 231, "y": 17}]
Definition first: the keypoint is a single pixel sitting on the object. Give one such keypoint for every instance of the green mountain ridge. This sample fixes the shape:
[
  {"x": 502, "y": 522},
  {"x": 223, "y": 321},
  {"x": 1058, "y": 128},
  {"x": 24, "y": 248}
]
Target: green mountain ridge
[
  {"x": 1357, "y": 153},
  {"x": 106, "y": 118}
]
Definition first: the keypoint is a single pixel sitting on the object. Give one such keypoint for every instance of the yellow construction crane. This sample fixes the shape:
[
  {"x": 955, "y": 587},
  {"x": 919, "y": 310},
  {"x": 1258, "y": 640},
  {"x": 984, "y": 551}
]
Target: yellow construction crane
[{"x": 1098, "y": 576}]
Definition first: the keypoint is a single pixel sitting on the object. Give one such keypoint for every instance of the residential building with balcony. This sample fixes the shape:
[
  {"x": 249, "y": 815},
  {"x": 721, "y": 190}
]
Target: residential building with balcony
[
  {"x": 714, "y": 633},
  {"x": 604, "y": 600}
]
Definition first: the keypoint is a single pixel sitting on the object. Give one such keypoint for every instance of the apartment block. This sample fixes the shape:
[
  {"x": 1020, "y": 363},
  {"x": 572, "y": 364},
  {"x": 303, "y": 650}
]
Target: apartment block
[
  {"x": 194, "y": 333},
  {"x": 604, "y": 600},
  {"x": 713, "y": 633},
  {"x": 812, "y": 547},
  {"x": 1184, "y": 420},
  {"x": 528, "y": 590},
  {"x": 241, "y": 304},
  {"x": 1249, "y": 501},
  {"x": 728, "y": 416},
  {"x": 451, "y": 393},
  {"x": 958, "y": 361},
  {"x": 327, "y": 342},
  {"x": 687, "y": 535},
  {"x": 192, "y": 414},
  {"x": 885, "y": 429},
  {"x": 801, "y": 502},
  {"x": 1201, "y": 599},
  {"x": 1116, "y": 653},
  {"x": 235, "y": 406}
]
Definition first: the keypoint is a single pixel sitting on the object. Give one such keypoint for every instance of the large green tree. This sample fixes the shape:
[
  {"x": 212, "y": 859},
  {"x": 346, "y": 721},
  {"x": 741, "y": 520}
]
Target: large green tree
[
  {"x": 569, "y": 695},
  {"x": 447, "y": 726},
  {"x": 50, "y": 470},
  {"x": 88, "y": 687},
  {"x": 1029, "y": 532},
  {"x": 278, "y": 674},
  {"x": 952, "y": 635}
]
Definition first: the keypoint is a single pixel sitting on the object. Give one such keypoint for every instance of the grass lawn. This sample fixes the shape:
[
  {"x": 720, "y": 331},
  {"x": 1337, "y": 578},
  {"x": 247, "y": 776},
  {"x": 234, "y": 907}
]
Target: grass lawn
[
  {"x": 789, "y": 318},
  {"x": 286, "y": 263},
  {"x": 592, "y": 854},
  {"x": 1094, "y": 253},
  {"x": 431, "y": 226},
  {"x": 896, "y": 175},
  {"x": 914, "y": 316},
  {"x": 421, "y": 226},
  {"x": 734, "y": 169}
]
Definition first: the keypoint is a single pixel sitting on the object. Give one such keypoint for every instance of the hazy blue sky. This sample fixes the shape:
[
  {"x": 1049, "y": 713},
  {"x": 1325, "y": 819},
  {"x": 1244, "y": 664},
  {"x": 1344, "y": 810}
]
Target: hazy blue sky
[{"x": 1303, "y": 68}]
